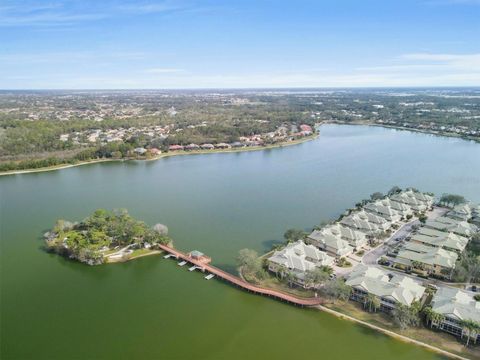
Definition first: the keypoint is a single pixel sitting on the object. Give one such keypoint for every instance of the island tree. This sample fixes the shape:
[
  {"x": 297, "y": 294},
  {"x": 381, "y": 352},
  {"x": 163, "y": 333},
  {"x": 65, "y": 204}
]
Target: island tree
[{"x": 88, "y": 240}]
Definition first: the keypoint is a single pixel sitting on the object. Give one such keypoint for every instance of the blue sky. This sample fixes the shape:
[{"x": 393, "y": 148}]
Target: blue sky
[{"x": 108, "y": 44}]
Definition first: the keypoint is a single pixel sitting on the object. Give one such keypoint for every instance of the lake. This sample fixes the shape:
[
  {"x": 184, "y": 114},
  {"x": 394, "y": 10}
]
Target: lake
[{"x": 150, "y": 308}]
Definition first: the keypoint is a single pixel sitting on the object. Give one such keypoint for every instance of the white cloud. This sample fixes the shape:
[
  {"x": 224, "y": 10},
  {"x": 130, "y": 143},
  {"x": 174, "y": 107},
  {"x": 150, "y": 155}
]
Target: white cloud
[
  {"x": 414, "y": 69},
  {"x": 182, "y": 80},
  {"x": 68, "y": 57},
  {"x": 469, "y": 62},
  {"x": 25, "y": 13},
  {"x": 148, "y": 8}
]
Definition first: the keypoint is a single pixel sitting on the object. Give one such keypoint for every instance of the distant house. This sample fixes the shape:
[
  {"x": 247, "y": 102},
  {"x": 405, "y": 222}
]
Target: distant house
[
  {"x": 298, "y": 258},
  {"x": 237, "y": 144},
  {"x": 175, "y": 147},
  {"x": 222, "y": 146},
  {"x": 207, "y": 146},
  {"x": 332, "y": 244},
  {"x": 456, "y": 306},
  {"x": 306, "y": 128},
  {"x": 154, "y": 151},
  {"x": 140, "y": 151},
  {"x": 389, "y": 288},
  {"x": 191, "y": 147}
]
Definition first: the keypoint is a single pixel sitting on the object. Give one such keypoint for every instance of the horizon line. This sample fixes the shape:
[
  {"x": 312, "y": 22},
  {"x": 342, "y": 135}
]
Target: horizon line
[{"x": 253, "y": 88}]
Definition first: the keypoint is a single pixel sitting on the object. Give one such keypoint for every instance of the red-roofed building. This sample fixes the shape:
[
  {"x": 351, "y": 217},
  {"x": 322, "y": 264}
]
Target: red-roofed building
[
  {"x": 305, "y": 127},
  {"x": 154, "y": 151}
]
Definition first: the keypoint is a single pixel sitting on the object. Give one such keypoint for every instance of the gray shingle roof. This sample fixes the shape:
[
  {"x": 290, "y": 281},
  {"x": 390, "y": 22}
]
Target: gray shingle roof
[
  {"x": 446, "y": 240},
  {"x": 428, "y": 255},
  {"x": 382, "y": 284},
  {"x": 301, "y": 257},
  {"x": 457, "y": 303}
]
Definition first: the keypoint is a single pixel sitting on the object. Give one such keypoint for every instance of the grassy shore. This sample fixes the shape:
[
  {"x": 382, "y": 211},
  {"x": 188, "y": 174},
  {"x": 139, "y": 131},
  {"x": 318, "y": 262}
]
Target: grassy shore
[
  {"x": 174, "y": 153},
  {"x": 434, "y": 340},
  {"x": 421, "y": 334},
  {"x": 134, "y": 255}
]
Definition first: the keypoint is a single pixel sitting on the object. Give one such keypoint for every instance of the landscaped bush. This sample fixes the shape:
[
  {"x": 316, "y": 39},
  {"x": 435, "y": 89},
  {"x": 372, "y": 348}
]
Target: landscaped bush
[
  {"x": 344, "y": 263},
  {"x": 400, "y": 267}
]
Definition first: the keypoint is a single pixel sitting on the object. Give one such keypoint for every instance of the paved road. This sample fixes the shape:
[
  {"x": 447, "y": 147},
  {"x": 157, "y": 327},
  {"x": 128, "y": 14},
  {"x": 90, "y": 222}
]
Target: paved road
[{"x": 372, "y": 257}]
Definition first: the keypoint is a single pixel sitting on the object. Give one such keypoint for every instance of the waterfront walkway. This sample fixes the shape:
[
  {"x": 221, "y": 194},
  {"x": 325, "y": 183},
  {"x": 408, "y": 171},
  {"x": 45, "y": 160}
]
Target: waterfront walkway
[{"x": 235, "y": 280}]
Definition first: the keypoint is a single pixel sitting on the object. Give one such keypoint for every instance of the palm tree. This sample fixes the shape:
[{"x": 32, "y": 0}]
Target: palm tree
[
  {"x": 290, "y": 277},
  {"x": 432, "y": 316},
  {"x": 372, "y": 301},
  {"x": 375, "y": 303},
  {"x": 471, "y": 329}
]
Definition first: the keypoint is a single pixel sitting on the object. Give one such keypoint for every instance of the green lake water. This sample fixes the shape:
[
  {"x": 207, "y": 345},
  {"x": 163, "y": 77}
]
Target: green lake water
[{"x": 150, "y": 308}]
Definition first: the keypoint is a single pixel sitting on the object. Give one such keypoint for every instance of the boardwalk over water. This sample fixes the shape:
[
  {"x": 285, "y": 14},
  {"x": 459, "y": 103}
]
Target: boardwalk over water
[{"x": 235, "y": 280}]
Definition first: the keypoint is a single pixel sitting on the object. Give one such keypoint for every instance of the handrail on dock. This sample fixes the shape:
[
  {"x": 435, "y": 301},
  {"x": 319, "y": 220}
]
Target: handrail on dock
[{"x": 240, "y": 282}]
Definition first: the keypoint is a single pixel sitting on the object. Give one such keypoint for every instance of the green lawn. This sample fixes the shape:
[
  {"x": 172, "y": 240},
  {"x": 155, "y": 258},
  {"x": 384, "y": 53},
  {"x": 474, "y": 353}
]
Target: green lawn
[{"x": 141, "y": 252}]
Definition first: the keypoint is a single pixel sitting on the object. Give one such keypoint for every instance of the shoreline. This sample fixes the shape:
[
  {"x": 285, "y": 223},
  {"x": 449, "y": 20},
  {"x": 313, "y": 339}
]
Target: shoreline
[
  {"x": 393, "y": 334},
  {"x": 165, "y": 155},
  {"x": 243, "y": 149},
  {"x": 390, "y": 333},
  {"x": 421, "y": 131}
]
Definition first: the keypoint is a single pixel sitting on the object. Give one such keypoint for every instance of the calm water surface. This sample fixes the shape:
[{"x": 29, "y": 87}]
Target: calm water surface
[{"x": 150, "y": 308}]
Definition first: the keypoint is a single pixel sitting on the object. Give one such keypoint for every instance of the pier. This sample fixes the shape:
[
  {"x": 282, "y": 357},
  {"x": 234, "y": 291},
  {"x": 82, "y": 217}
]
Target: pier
[{"x": 202, "y": 262}]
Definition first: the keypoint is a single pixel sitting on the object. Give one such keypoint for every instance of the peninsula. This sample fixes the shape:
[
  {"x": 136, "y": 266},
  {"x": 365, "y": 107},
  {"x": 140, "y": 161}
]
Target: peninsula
[{"x": 402, "y": 260}]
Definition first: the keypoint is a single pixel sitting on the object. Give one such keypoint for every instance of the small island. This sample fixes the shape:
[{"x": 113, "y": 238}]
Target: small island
[{"x": 105, "y": 236}]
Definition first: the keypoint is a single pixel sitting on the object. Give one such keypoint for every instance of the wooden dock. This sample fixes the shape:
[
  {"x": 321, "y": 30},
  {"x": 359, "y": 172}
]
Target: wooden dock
[{"x": 235, "y": 280}]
